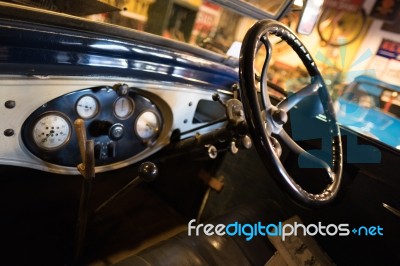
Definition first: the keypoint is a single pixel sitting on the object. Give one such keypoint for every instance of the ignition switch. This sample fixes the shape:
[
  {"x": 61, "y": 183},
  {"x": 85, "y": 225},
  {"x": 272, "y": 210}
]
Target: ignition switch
[{"x": 116, "y": 131}]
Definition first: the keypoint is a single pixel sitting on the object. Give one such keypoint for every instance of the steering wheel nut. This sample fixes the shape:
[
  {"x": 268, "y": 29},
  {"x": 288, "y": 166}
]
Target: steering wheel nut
[{"x": 279, "y": 116}]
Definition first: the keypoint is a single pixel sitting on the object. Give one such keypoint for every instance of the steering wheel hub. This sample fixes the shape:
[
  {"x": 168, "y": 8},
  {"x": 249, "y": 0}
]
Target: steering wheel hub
[{"x": 279, "y": 116}]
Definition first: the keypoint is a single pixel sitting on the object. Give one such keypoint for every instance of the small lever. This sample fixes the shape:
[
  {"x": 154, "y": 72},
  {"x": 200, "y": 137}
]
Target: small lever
[
  {"x": 86, "y": 148},
  {"x": 217, "y": 98},
  {"x": 147, "y": 172}
]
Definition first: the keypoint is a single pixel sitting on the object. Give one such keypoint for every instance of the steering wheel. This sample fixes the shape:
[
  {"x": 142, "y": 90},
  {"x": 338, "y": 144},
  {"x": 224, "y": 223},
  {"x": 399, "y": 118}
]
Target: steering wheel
[{"x": 265, "y": 121}]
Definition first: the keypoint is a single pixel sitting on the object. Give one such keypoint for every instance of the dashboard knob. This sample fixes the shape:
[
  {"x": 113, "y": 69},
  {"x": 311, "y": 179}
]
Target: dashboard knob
[
  {"x": 148, "y": 171},
  {"x": 116, "y": 131}
]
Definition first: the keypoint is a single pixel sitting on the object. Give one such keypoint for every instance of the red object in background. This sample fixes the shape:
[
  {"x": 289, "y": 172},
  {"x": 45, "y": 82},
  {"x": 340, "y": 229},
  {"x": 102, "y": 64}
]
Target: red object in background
[
  {"x": 206, "y": 21},
  {"x": 207, "y": 17},
  {"x": 344, "y": 5}
]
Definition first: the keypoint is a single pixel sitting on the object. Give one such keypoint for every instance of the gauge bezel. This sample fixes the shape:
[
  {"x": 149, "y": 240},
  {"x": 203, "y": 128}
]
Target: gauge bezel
[
  {"x": 133, "y": 104},
  {"x": 159, "y": 121},
  {"x": 97, "y": 107},
  {"x": 40, "y": 117}
]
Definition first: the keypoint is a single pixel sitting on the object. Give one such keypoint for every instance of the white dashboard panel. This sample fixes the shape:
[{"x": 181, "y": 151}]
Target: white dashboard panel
[{"x": 177, "y": 103}]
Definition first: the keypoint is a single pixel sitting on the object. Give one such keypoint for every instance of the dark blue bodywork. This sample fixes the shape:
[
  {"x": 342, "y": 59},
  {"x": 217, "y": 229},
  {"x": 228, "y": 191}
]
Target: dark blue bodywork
[{"x": 31, "y": 48}]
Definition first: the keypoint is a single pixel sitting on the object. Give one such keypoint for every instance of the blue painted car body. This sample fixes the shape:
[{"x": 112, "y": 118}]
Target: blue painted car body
[
  {"x": 98, "y": 50},
  {"x": 361, "y": 108}
]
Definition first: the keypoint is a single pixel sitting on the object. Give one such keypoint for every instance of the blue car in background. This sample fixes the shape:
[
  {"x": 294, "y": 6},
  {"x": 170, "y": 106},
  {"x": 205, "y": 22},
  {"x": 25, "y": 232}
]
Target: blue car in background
[{"x": 372, "y": 107}]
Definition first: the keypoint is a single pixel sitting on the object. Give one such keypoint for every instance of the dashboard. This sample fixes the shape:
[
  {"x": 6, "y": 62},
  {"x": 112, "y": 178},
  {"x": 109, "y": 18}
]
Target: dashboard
[
  {"x": 127, "y": 119},
  {"x": 134, "y": 91},
  {"x": 121, "y": 121}
]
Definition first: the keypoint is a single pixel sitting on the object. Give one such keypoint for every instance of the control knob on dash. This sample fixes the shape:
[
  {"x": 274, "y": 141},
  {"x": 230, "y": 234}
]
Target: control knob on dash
[{"x": 116, "y": 131}]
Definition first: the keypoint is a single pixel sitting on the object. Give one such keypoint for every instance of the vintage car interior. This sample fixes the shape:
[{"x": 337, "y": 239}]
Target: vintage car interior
[{"x": 122, "y": 130}]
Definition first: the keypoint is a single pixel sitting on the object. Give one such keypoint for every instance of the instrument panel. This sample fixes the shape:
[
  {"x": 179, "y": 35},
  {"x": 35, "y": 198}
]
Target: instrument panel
[{"x": 122, "y": 125}]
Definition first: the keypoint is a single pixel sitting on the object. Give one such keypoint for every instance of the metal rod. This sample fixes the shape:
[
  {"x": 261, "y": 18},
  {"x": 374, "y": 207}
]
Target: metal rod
[
  {"x": 87, "y": 169},
  {"x": 136, "y": 181},
  {"x": 82, "y": 219}
]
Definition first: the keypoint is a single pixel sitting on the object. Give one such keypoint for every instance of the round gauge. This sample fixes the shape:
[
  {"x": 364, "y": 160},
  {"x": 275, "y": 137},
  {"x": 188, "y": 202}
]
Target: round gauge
[
  {"x": 147, "y": 125},
  {"x": 51, "y": 131},
  {"x": 87, "y": 107},
  {"x": 123, "y": 107}
]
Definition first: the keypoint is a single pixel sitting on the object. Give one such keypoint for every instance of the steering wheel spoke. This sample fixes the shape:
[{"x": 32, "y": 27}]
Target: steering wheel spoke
[
  {"x": 294, "y": 98},
  {"x": 265, "y": 121},
  {"x": 297, "y": 149}
]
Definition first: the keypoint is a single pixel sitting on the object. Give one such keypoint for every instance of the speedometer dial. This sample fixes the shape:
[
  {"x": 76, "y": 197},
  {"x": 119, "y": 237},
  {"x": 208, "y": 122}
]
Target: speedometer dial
[
  {"x": 51, "y": 131},
  {"x": 147, "y": 125}
]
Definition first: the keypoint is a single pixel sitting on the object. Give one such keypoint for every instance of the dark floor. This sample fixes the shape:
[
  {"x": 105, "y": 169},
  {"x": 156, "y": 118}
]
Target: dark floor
[{"x": 39, "y": 211}]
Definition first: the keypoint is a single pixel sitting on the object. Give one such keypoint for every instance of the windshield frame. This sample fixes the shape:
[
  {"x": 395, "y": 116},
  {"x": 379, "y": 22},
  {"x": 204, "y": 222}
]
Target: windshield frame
[{"x": 249, "y": 10}]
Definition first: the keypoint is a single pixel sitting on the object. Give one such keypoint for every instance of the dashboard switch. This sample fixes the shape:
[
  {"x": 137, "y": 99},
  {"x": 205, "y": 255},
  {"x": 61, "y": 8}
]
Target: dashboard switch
[
  {"x": 111, "y": 149},
  {"x": 97, "y": 151}
]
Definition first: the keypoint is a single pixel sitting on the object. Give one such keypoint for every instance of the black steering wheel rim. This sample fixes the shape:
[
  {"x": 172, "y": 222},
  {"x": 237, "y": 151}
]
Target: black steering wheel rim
[{"x": 261, "y": 116}]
